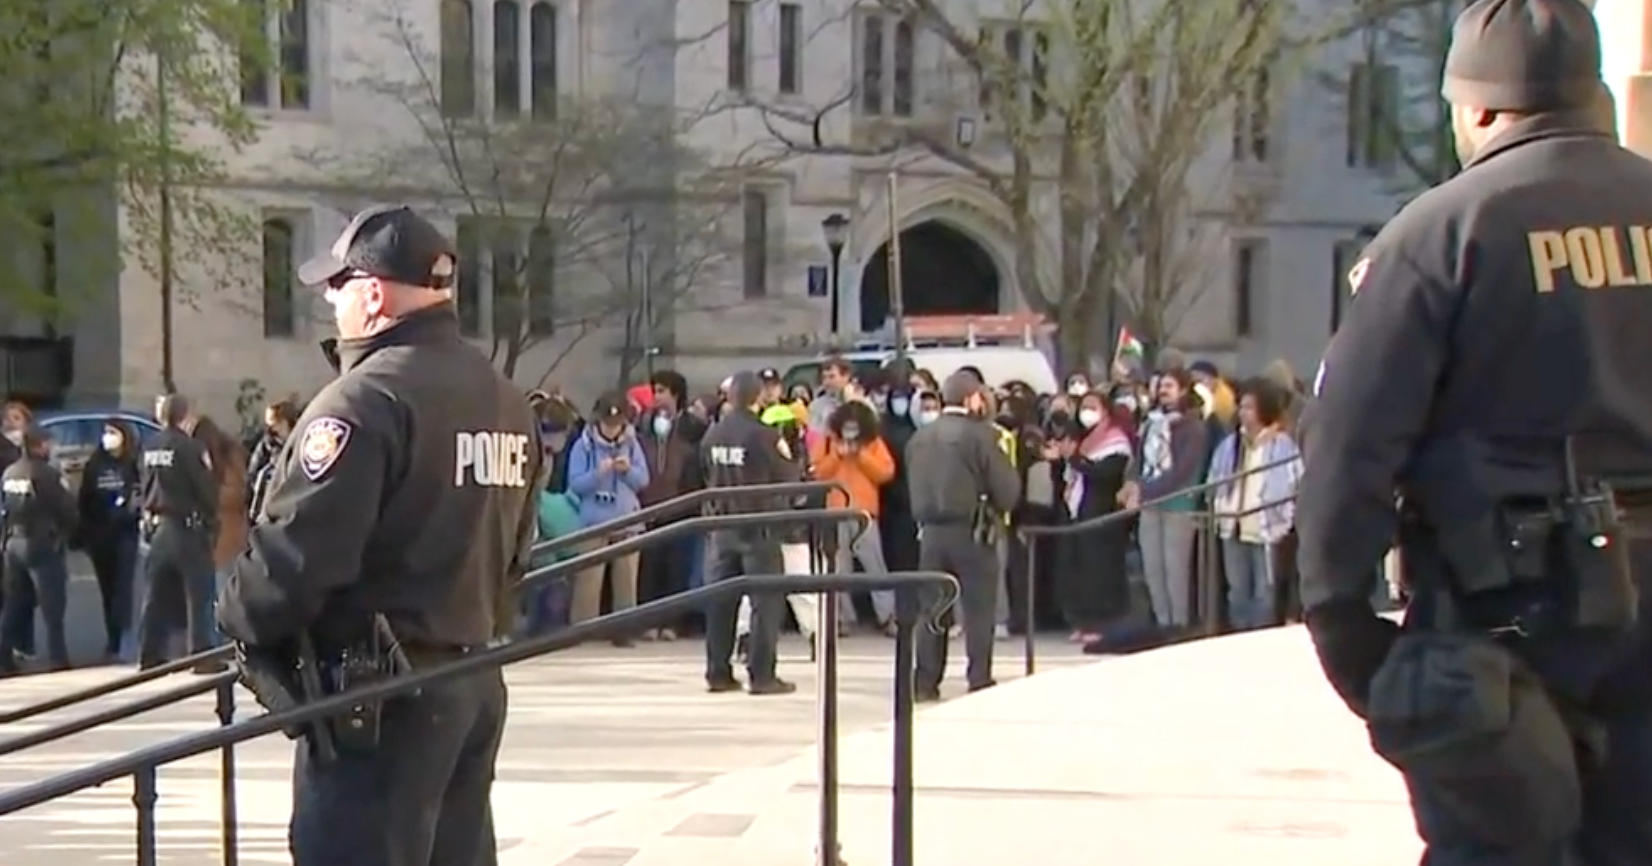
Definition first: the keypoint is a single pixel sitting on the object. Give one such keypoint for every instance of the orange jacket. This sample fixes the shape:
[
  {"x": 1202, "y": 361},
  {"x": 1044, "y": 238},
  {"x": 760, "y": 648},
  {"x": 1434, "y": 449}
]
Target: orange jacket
[{"x": 863, "y": 471}]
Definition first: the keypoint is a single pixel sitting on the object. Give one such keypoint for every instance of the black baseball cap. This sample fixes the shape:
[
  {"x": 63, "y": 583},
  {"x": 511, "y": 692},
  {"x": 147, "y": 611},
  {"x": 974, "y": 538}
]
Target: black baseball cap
[
  {"x": 607, "y": 407},
  {"x": 769, "y": 375},
  {"x": 389, "y": 242}
]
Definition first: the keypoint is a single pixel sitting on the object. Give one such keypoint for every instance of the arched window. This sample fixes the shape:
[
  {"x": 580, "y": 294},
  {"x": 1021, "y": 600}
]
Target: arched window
[
  {"x": 541, "y": 275},
  {"x": 279, "y": 309},
  {"x": 507, "y": 58},
  {"x": 458, "y": 59},
  {"x": 542, "y": 51}
]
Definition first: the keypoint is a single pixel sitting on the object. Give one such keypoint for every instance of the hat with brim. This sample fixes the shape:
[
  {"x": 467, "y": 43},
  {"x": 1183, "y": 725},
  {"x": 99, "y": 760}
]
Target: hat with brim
[{"x": 391, "y": 243}]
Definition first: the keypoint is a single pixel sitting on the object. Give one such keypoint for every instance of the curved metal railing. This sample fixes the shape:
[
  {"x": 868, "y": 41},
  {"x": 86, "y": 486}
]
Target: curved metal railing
[{"x": 684, "y": 504}]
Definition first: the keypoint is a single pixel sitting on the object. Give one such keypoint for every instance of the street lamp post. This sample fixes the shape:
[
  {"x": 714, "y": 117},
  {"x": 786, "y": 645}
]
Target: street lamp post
[{"x": 836, "y": 229}]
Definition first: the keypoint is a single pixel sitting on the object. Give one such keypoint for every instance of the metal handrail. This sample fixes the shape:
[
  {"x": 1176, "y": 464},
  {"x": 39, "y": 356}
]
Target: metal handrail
[
  {"x": 142, "y": 764},
  {"x": 675, "y": 505},
  {"x": 555, "y": 571},
  {"x": 684, "y": 504},
  {"x": 705, "y": 523},
  {"x": 119, "y": 713},
  {"x": 1028, "y": 533}
]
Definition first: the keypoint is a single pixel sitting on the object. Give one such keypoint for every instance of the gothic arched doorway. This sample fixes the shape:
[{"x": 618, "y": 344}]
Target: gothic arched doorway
[{"x": 943, "y": 272}]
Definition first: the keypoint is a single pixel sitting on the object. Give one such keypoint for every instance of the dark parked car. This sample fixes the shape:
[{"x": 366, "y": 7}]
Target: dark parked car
[{"x": 75, "y": 435}]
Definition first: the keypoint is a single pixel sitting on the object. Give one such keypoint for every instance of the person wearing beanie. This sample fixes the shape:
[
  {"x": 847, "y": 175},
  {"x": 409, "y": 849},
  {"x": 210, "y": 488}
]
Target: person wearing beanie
[
  {"x": 960, "y": 485},
  {"x": 741, "y": 451},
  {"x": 1496, "y": 347}
]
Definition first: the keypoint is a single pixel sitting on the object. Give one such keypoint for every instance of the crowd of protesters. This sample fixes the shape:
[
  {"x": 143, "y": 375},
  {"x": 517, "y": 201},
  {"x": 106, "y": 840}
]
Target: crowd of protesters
[{"x": 1138, "y": 436}]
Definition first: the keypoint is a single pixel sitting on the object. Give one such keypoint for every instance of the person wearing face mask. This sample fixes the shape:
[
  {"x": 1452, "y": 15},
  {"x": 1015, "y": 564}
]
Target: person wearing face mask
[
  {"x": 1078, "y": 385},
  {"x": 108, "y": 506},
  {"x": 960, "y": 482},
  {"x": 897, "y": 531},
  {"x": 926, "y": 409},
  {"x": 670, "y": 439},
  {"x": 854, "y": 454}
]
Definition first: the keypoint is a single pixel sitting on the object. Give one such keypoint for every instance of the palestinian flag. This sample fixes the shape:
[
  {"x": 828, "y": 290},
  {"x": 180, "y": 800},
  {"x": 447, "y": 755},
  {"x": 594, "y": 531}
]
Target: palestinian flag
[{"x": 1128, "y": 347}]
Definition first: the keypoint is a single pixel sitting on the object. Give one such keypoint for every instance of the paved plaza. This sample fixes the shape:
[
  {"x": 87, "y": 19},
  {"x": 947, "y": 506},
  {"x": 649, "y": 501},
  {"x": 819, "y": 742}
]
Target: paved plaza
[{"x": 593, "y": 733}]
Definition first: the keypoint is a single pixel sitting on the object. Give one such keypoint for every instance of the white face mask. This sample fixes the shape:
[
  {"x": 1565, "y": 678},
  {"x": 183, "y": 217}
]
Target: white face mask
[
  {"x": 1089, "y": 417},
  {"x": 1078, "y": 388},
  {"x": 111, "y": 442},
  {"x": 927, "y": 416}
]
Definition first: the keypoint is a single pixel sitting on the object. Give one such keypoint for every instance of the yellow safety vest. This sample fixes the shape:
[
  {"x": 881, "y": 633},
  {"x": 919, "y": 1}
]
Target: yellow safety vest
[{"x": 1007, "y": 442}]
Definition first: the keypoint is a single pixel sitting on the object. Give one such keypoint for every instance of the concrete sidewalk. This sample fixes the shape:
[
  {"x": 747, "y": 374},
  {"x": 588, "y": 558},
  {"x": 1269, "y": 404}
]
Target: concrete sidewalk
[{"x": 1231, "y": 751}]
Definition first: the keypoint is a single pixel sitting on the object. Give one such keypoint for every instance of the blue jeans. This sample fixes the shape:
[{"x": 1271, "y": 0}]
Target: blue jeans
[{"x": 1249, "y": 569}]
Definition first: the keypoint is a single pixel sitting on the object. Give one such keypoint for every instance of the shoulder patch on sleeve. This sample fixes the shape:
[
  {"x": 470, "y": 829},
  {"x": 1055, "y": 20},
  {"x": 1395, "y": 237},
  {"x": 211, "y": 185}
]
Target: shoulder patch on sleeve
[
  {"x": 1356, "y": 275},
  {"x": 324, "y": 440}
]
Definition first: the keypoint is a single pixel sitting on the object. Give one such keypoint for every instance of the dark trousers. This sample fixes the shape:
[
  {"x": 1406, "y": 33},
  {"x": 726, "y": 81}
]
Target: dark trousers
[
  {"x": 42, "y": 567},
  {"x": 114, "y": 558},
  {"x": 21, "y": 594},
  {"x": 420, "y": 798},
  {"x": 953, "y": 549},
  {"x": 1609, "y": 679},
  {"x": 180, "y": 581},
  {"x": 733, "y": 555}
]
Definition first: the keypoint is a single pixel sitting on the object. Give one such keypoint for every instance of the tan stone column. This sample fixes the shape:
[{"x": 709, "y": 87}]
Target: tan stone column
[{"x": 1626, "y": 65}]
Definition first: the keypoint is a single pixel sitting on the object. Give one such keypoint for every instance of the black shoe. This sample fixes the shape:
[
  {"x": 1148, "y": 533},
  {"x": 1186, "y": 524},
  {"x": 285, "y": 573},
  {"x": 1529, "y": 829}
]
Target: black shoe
[
  {"x": 624, "y": 642},
  {"x": 981, "y": 687},
  {"x": 742, "y": 648},
  {"x": 721, "y": 685},
  {"x": 813, "y": 649},
  {"x": 774, "y": 686},
  {"x": 926, "y": 696}
]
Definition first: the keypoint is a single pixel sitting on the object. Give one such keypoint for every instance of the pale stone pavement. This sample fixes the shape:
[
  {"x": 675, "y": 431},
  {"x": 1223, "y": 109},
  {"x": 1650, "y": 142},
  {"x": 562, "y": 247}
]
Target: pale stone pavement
[
  {"x": 1230, "y": 752},
  {"x": 593, "y": 734}
]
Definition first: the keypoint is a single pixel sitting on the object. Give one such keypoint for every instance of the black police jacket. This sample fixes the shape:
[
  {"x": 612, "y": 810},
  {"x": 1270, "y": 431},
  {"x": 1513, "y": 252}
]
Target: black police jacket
[
  {"x": 176, "y": 477},
  {"x": 953, "y": 464},
  {"x": 1495, "y": 316},
  {"x": 408, "y": 489},
  {"x": 109, "y": 496},
  {"x": 37, "y": 502},
  {"x": 741, "y": 451}
]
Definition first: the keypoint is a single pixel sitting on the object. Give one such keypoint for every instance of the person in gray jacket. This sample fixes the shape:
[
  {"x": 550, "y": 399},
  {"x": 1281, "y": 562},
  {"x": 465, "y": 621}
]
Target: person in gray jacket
[{"x": 1175, "y": 446}]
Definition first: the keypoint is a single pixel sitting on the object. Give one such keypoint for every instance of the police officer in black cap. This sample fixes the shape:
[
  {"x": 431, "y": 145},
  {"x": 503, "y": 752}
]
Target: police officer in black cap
[
  {"x": 1488, "y": 403},
  {"x": 40, "y": 516},
  {"x": 405, "y": 494},
  {"x": 179, "y": 499},
  {"x": 740, "y": 451}
]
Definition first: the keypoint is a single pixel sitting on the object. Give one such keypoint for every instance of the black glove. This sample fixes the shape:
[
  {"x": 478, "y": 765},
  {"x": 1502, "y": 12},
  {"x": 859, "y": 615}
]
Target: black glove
[{"x": 1352, "y": 643}]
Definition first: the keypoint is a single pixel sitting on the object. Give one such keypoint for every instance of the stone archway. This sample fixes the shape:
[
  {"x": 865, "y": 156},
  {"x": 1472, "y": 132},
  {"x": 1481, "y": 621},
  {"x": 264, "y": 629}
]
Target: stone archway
[{"x": 943, "y": 272}]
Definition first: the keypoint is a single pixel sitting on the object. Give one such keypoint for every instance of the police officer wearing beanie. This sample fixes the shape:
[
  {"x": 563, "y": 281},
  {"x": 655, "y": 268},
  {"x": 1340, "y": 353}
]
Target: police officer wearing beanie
[
  {"x": 961, "y": 485},
  {"x": 740, "y": 451},
  {"x": 1488, "y": 403},
  {"x": 406, "y": 491}
]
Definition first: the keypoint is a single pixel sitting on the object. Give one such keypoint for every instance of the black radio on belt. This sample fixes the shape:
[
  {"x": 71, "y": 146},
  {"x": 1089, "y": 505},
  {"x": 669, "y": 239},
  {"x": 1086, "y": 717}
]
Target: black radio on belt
[{"x": 374, "y": 660}]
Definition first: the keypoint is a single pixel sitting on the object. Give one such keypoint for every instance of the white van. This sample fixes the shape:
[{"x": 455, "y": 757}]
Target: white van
[{"x": 1010, "y": 348}]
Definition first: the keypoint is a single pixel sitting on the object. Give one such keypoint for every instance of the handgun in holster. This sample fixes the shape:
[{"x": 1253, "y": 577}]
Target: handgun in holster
[
  {"x": 376, "y": 659},
  {"x": 282, "y": 681},
  {"x": 985, "y": 524}
]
